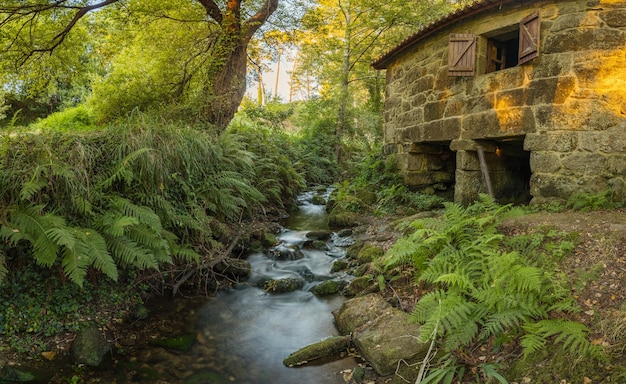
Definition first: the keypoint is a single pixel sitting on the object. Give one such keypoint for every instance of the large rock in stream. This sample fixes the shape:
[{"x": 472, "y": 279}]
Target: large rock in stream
[
  {"x": 89, "y": 347},
  {"x": 381, "y": 333}
]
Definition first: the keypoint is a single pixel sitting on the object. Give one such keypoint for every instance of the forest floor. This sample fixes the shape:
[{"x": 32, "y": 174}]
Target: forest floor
[{"x": 595, "y": 270}]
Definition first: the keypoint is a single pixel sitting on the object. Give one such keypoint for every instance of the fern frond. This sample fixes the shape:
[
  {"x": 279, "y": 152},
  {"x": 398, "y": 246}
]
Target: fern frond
[
  {"x": 28, "y": 222},
  {"x": 143, "y": 214},
  {"x": 129, "y": 253},
  {"x": 31, "y": 188},
  {"x": 96, "y": 247},
  {"x": 123, "y": 170},
  {"x": 571, "y": 334}
]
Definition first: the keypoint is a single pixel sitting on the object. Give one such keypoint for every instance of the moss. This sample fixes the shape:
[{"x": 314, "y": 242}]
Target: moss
[
  {"x": 283, "y": 285},
  {"x": 180, "y": 342},
  {"x": 328, "y": 287},
  {"x": 324, "y": 348},
  {"x": 369, "y": 253}
]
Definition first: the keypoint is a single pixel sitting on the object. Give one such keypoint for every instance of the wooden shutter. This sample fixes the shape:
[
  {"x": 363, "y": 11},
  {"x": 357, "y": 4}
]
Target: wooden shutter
[
  {"x": 462, "y": 55},
  {"x": 529, "y": 38}
]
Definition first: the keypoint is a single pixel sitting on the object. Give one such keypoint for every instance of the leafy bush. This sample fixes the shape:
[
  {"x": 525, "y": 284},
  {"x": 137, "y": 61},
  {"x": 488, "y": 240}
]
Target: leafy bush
[
  {"x": 139, "y": 195},
  {"x": 74, "y": 119},
  {"x": 480, "y": 291},
  {"x": 584, "y": 201}
]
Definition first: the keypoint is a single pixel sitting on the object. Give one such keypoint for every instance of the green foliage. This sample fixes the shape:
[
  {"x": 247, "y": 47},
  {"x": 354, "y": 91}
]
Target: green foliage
[
  {"x": 73, "y": 119},
  {"x": 3, "y": 106},
  {"x": 482, "y": 291},
  {"x": 34, "y": 302},
  {"x": 136, "y": 196},
  {"x": 584, "y": 201}
]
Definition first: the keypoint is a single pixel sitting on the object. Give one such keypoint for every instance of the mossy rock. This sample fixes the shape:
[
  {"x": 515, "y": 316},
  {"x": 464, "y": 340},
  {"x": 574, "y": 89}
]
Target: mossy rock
[
  {"x": 367, "y": 196},
  {"x": 325, "y": 348},
  {"x": 318, "y": 200},
  {"x": 319, "y": 235},
  {"x": 369, "y": 253},
  {"x": 283, "y": 285},
  {"x": 343, "y": 219},
  {"x": 89, "y": 347},
  {"x": 362, "y": 270},
  {"x": 339, "y": 265},
  {"x": 315, "y": 244},
  {"x": 329, "y": 287},
  {"x": 180, "y": 342},
  {"x": 268, "y": 239},
  {"x": 353, "y": 251},
  {"x": 358, "y": 285}
]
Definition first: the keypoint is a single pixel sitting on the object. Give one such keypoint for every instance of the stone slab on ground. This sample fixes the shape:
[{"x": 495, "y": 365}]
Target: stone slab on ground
[{"x": 381, "y": 333}]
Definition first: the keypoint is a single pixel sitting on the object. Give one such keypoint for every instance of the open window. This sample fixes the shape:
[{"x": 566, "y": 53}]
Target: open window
[{"x": 506, "y": 48}]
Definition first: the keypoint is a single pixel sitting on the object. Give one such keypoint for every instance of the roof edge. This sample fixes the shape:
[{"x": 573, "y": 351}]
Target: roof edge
[{"x": 468, "y": 11}]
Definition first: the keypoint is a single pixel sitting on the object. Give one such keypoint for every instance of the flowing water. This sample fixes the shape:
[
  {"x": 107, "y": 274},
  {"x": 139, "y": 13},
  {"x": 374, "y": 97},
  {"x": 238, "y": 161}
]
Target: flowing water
[
  {"x": 254, "y": 331},
  {"x": 242, "y": 335}
]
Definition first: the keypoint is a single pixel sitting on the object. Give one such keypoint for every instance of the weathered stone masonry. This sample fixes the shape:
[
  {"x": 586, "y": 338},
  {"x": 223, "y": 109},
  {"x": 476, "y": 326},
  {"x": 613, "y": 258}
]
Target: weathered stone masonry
[{"x": 549, "y": 127}]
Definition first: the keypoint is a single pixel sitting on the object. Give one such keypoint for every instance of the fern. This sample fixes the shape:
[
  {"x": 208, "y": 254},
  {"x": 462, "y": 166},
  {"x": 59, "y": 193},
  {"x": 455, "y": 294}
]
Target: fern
[
  {"x": 570, "y": 334},
  {"x": 480, "y": 290},
  {"x": 31, "y": 224}
]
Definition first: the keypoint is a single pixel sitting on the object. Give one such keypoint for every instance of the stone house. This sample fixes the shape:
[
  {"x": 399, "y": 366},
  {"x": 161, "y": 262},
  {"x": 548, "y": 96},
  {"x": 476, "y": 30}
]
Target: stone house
[{"x": 537, "y": 89}]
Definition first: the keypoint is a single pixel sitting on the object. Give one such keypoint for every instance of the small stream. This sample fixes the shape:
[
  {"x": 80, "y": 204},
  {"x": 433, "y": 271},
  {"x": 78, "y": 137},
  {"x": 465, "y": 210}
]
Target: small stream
[
  {"x": 254, "y": 331},
  {"x": 241, "y": 335}
]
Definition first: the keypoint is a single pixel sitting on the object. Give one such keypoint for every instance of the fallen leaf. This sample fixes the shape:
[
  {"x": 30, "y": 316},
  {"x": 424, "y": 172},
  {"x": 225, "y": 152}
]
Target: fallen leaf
[{"x": 49, "y": 355}]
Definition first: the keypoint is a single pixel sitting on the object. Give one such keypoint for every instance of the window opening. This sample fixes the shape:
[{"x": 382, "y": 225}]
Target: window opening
[{"x": 502, "y": 51}]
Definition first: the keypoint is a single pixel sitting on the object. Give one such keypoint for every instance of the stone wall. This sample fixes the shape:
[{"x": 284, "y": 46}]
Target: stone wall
[{"x": 566, "y": 108}]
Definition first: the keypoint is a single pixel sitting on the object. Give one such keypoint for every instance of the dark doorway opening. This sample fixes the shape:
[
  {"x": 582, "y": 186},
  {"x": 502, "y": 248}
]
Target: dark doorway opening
[{"x": 509, "y": 169}]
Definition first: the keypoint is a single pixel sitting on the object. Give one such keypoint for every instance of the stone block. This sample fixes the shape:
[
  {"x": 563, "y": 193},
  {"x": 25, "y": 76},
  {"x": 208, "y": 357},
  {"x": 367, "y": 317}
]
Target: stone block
[
  {"x": 389, "y": 340},
  {"x": 468, "y": 186},
  {"x": 544, "y": 162},
  {"x": 615, "y": 18},
  {"x": 422, "y": 84},
  {"x": 424, "y": 178},
  {"x": 551, "y": 66},
  {"x": 467, "y": 161},
  {"x": 510, "y": 98},
  {"x": 617, "y": 164},
  {"x": 584, "y": 163},
  {"x": 442, "y": 130},
  {"x": 552, "y": 186},
  {"x": 551, "y": 141},
  {"x": 575, "y": 20},
  {"x": 610, "y": 141},
  {"x": 584, "y": 39},
  {"x": 575, "y": 115},
  {"x": 433, "y": 149},
  {"x": 600, "y": 71},
  {"x": 455, "y": 106},
  {"x": 434, "y": 110},
  {"x": 463, "y": 145},
  {"x": 552, "y": 90},
  {"x": 415, "y": 162}
]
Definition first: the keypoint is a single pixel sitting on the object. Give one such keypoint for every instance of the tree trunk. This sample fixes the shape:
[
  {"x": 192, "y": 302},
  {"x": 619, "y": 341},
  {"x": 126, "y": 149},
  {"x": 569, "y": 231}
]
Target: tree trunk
[{"x": 227, "y": 88}]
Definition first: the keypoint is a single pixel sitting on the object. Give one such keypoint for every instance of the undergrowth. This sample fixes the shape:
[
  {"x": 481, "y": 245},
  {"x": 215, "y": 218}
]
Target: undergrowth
[{"x": 486, "y": 289}]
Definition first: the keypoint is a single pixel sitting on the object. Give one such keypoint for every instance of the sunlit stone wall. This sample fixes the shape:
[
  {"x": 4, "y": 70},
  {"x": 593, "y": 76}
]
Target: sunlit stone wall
[{"x": 567, "y": 107}]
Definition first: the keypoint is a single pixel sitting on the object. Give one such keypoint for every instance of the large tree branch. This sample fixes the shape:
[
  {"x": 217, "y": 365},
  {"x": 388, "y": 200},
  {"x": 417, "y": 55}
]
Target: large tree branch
[
  {"x": 212, "y": 10},
  {"x": 259, "y": 18},
  {"x": 32, "y": 12},
  {"x": 81, "y": 12}
]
